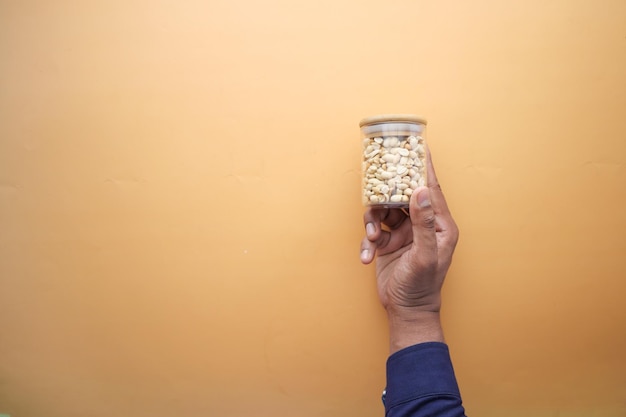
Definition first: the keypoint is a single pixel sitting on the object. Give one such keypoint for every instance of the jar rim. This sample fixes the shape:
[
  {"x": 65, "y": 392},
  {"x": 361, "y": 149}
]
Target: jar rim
[{"x": 385, "y": 118}]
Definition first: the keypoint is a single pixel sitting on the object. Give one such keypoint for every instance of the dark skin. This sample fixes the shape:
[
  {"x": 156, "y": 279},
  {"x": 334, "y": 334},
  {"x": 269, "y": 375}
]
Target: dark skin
[{"x": 413, "y": 252}]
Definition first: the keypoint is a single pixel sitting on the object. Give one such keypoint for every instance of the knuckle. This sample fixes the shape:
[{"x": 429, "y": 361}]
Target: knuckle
[
  {"x": 454, "y": 234},
  {"x": 428, "y": 219},
  {"x": 435, "y": 186}
]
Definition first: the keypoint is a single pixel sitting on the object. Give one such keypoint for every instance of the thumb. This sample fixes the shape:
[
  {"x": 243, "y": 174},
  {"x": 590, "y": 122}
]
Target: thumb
[{"x": 423, "y": 224}]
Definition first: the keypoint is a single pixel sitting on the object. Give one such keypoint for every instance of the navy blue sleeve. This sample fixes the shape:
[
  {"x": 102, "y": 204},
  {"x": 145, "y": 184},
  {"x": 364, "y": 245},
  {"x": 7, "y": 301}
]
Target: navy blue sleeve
[{"x": 421, "y": 383}]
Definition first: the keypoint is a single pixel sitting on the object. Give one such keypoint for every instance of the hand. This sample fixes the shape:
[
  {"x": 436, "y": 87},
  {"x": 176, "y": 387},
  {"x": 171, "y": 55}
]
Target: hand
[{"x": 413, "y": 254}]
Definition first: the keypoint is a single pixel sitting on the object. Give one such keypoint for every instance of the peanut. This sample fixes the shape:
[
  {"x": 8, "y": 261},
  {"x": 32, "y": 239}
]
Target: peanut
[{"x": 393, "y": 167}]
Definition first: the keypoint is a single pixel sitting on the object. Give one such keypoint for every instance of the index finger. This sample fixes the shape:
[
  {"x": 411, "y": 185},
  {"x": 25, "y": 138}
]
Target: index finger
[{"x": 377, "y": 217}]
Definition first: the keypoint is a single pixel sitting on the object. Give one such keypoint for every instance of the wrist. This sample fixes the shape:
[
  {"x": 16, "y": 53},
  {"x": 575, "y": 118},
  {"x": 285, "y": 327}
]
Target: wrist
[{"x": 411, "y": 329}]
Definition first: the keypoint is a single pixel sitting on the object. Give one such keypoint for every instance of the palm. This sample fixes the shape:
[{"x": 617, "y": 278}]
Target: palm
[{"x": 399, "y": 281}]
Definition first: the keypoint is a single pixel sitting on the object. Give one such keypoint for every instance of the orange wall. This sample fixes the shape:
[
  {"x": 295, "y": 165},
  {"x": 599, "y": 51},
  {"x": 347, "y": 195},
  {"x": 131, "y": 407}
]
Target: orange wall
[{"x": 180, "y": 214}]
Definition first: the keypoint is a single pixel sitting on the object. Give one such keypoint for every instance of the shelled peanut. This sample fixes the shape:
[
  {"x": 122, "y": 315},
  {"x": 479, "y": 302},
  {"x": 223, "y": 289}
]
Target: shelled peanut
[{"x": 393, "y": 167}]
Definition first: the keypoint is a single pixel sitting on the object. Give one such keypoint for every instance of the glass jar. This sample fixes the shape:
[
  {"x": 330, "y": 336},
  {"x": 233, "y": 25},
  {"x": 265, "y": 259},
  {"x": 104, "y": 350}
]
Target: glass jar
[{"x": 394, "y": 159}]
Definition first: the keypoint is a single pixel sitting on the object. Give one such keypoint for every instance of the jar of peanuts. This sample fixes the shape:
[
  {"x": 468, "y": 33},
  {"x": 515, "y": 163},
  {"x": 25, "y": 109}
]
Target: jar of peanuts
[{"x": 394, "y": 159}]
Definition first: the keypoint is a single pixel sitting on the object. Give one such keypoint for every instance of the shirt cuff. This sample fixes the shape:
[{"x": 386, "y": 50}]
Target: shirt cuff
[{"x": 418, "y": 371}]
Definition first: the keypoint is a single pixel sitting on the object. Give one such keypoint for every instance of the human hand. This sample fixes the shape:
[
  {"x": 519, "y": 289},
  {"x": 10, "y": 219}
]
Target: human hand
[{"x": 413, "y": 254}]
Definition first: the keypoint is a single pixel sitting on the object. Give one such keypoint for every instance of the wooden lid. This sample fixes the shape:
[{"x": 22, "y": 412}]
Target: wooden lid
[{"x": 397, "y": 118}]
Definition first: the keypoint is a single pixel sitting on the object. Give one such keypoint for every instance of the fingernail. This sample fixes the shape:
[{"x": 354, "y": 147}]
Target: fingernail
[
  {"x": 423, "y": 198},
  {"x": 370, "y": 229},
  {"x": 365, "y": 254}
]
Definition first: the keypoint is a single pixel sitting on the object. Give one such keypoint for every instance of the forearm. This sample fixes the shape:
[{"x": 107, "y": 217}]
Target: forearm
[
  {"x": 408, "y": 330},
  {"x": 420, "y": 376}
]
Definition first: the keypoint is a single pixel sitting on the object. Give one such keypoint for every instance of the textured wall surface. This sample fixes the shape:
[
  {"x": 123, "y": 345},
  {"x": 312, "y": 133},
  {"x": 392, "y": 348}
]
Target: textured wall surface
[{"x": 180, "y": 214}]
